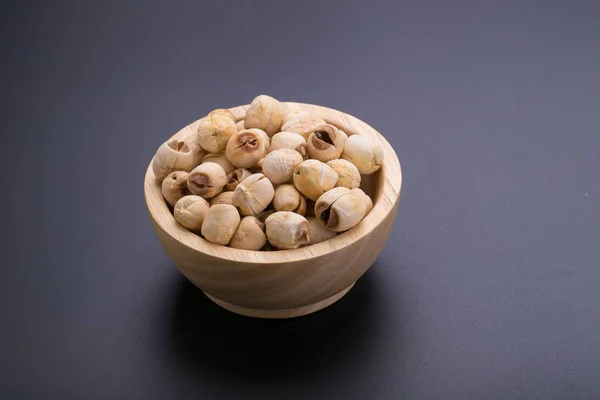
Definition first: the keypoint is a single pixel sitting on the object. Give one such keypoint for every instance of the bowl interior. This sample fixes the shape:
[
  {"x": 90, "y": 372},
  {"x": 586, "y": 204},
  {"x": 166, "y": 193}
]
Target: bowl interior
[{"x": 383, "y": 187}]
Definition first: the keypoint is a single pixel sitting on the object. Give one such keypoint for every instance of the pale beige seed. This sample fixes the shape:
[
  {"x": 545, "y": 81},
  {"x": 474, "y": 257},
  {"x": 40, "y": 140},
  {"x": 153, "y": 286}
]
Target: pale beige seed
[
  {"x": 287, "y": 198},
  {"x": 313, "y": 178},
  {"x": 190, "y": 212},
  {"x": 221, "y": 159},
  {"x": 222, "y": 198},
  {"x": 215, "y": 129},
  {"x": 174, "y": 155},
  {"x": 289, "y": 140},
  {"x": 368, "y": 200},
  {"x": 220, "y": 223},
  {"x": 364, "y": 152},
  {"x": 265, "y": 113},
  {"x": 250, "y": 235},
  {"x": 348, "y": 175},
  {"x": 325, "y": 143},
  {"x": 279, "y": 165},
  {"x": 317, "y": 232},
  {"x": 253, "y": 195},
  {"x": 340, "y": 209},
  {"x": 207, "y": 180},
  {"x": 234, "y": 178},
  {"x": 287, "y": 230},
  {"x": 247, "y": 147},
  {"x": 174, "y": 187}
]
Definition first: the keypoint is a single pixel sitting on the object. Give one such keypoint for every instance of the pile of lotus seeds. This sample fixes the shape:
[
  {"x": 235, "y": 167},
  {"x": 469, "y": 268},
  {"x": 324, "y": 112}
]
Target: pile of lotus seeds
[{"x": 254, "y": 184}]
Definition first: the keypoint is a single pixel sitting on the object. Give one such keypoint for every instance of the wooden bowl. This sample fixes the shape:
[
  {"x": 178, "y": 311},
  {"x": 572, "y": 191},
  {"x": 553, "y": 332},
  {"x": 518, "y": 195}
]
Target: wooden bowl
[{"x": 284, "y": 283}]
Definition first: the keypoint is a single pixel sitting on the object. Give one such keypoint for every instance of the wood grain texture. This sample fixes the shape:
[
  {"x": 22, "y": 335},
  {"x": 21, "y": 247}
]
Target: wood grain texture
[{"x": 284, "y": 283}]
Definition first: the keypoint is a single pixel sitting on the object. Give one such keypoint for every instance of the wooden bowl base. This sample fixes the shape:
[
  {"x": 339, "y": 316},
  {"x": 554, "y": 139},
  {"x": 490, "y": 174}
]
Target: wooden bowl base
[{"x": 280, "y": 314}]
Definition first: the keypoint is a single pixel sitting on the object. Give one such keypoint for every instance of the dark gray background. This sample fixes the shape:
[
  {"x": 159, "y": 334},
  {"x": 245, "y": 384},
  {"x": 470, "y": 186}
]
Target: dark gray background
[{"x": 488, "y": 287}]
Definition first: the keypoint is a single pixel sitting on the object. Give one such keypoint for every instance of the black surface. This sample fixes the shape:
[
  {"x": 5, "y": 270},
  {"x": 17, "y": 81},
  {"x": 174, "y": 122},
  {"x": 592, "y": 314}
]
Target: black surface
[{"x": 489, "y": 286}]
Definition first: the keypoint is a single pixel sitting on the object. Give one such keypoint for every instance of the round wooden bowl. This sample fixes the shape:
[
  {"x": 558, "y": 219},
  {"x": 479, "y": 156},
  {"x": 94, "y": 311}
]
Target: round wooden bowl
[{"x": 284, "y": 283}]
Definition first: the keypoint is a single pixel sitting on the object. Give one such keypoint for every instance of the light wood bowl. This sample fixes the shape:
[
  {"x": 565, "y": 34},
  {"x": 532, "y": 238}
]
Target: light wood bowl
[{"x": 284, "y": 283}]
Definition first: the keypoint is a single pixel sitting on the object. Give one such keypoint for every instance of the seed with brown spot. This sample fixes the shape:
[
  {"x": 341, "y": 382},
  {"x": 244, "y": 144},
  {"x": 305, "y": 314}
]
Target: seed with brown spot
[
  {"x": 207, "y": 180},
  {"x": 174, "y": 187},
  {"x": 326, "y": 143},
  {"x": 245, "y": 148},
  {"x": 174, "y": 155},
  {"x": 340, "y": 209}
]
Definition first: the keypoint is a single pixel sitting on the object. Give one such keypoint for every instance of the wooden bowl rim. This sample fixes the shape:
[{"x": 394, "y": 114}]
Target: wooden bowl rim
[{"x": 388, "y": 195}]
